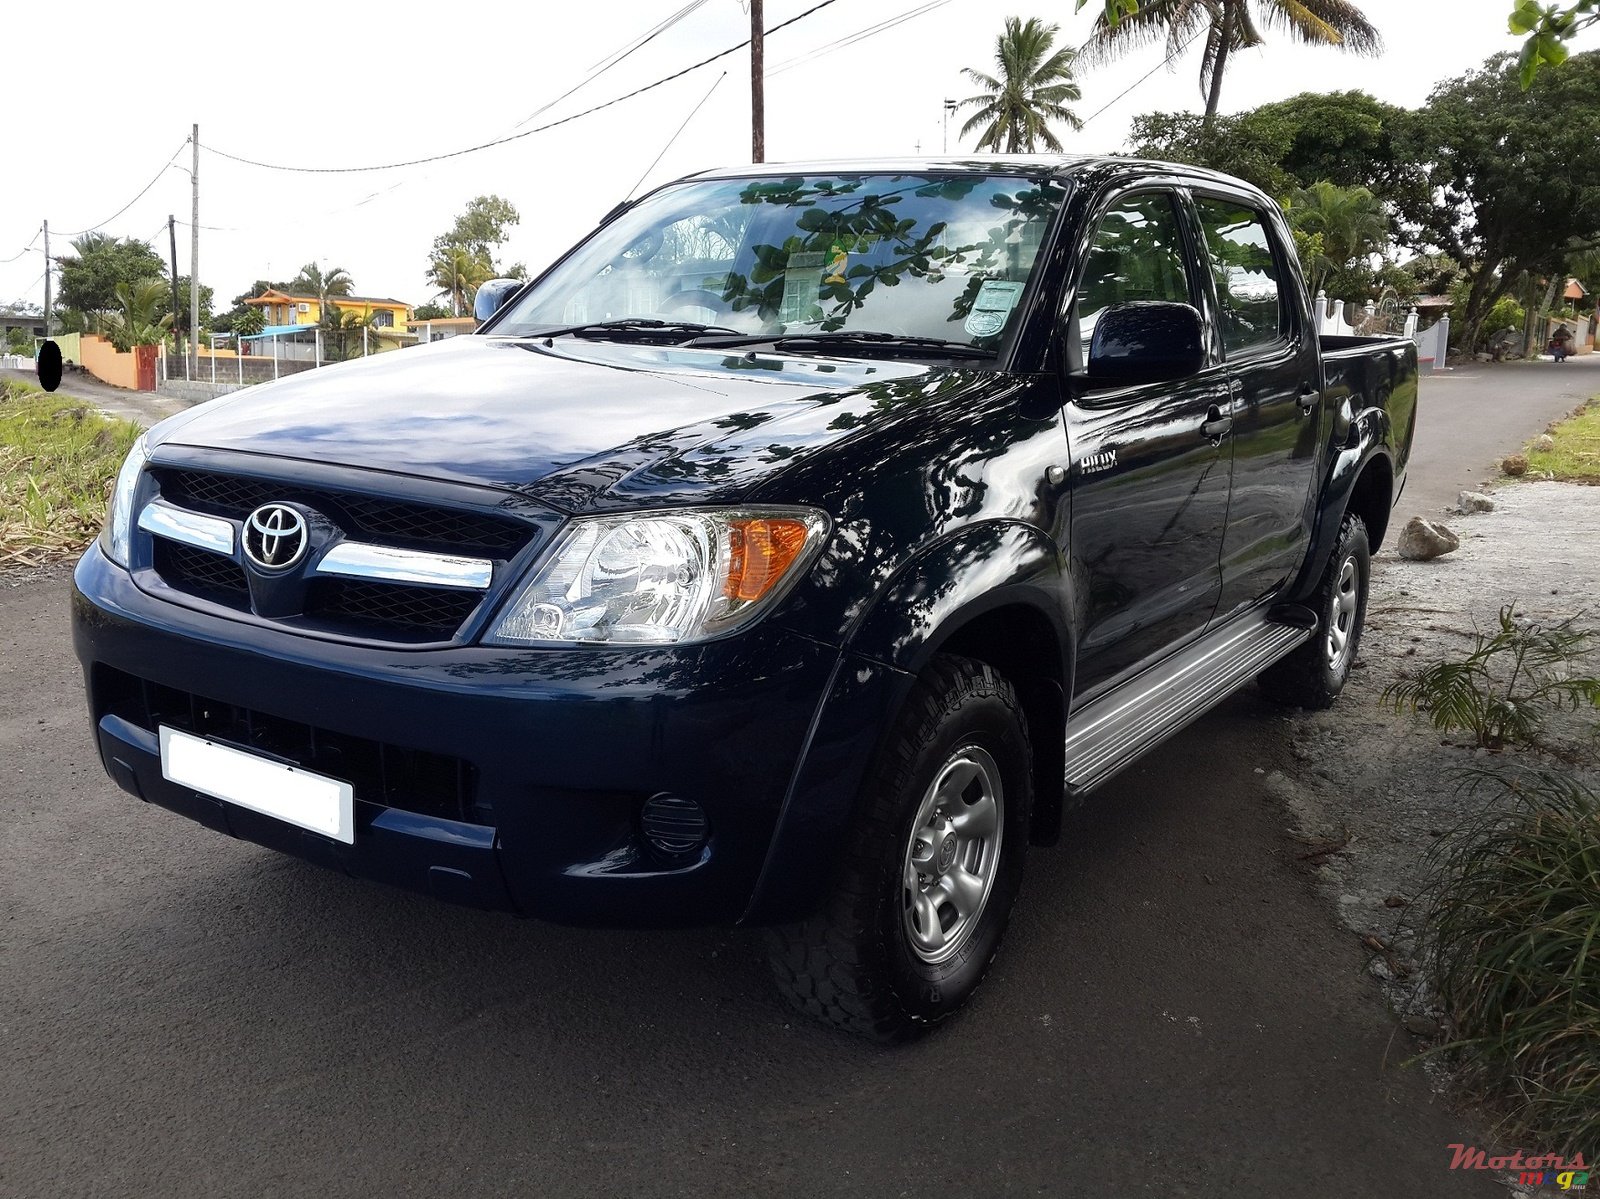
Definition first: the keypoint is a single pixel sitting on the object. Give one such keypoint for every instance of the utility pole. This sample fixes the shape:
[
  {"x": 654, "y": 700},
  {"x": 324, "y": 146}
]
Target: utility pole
[
  {"x": 172, "y": 238},
  {"x": 194, "y": 257},
  {"x": 758, "y": 83},
  {"x": 47, "y": 278}
]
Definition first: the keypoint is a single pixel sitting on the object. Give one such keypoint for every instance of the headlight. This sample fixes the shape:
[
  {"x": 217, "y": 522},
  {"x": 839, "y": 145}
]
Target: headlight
[
  {"x": 665, "y": 578},
  {"x": 119, "y": 516}
]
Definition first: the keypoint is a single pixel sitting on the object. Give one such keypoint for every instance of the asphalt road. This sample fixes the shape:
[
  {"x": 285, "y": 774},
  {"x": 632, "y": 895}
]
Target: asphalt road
[{"x": 1175, "y": 1012}]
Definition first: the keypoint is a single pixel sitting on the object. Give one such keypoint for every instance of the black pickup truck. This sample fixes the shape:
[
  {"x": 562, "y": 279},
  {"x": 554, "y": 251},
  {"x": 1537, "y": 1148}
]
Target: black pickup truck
[{"x": 789, "y": 553}]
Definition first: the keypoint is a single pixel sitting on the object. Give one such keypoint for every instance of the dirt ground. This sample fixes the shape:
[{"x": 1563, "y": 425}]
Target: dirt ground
[{"x": 1388, "y": 788}]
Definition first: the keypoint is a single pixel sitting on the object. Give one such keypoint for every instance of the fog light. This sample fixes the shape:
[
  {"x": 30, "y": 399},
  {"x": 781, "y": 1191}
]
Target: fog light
[{"x": 673, "y": 827}]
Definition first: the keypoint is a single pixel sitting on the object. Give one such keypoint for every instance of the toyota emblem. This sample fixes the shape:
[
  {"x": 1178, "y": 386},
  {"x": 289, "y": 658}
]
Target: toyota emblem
[{"x": 275, "y": 537}]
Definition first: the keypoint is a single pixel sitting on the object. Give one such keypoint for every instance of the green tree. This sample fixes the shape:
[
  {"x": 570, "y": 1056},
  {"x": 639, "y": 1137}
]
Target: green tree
[
  {"x": 182, "y": 322},
  {"x": 1033, "y": 88},
  {"x": 1550, "y": 29},
  {"x": 1228, "y": 25},
  {"x": 1349, "y": 226},
  {"x": 347, "y": 333},
  {"x": 481, "y": 230},
  {"x": 429, "y": 312},
  {"x": 136, "y": 322},
  {"x": 1516, "y": 183},
  {"x": 456, "y": 272},
  {"x": 314, "y": 281},
  {"x": 90, "y": 276}
]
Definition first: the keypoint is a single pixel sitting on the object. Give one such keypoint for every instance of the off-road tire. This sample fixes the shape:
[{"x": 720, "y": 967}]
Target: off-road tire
[
  {"x": 1312, "y": 677},
  {"x": 852, "y": 964}
]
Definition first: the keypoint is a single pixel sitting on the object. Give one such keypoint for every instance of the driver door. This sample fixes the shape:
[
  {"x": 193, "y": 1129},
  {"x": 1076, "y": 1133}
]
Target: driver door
[{"x": 1149, "y": 502}]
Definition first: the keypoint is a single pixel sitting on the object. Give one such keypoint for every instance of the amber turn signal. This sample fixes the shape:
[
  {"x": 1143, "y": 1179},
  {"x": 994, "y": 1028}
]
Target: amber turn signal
[{"x": 759, "y": 551}]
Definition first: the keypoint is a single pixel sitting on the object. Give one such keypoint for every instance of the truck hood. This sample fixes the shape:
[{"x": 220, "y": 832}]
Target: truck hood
[{"x": 579, "y": 425}]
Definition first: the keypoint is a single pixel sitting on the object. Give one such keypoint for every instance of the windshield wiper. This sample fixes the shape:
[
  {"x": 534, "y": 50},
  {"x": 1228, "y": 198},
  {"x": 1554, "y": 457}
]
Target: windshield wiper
[
  {"x": 634, "y": 324},
  {"x": 858, "y": 339}
]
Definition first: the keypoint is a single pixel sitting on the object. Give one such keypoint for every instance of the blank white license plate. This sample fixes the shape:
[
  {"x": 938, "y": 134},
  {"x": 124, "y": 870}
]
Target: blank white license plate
[{"x": 311, "y": 801}]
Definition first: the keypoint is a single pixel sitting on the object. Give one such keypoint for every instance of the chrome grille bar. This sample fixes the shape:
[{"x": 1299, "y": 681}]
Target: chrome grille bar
[
  {"x": 384, "y": 564},
  {"x": 188, "y": 528}
]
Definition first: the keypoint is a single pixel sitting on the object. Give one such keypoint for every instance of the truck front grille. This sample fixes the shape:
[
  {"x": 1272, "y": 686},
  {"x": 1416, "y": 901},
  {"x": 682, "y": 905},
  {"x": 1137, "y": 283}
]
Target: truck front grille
[
  {"x": 376, "y": 607},
  {"x": 202, "y": 573},
  {"x": 368, "y": 518},
  {"x": 391, "y": 776}
]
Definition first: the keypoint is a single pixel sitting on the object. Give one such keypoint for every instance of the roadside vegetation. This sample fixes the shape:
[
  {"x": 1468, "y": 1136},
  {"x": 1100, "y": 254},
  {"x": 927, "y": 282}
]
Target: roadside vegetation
[
  {"x": 1573, "y": 455},
  {"x": 1510, "y": 923},
  {"x": 57, "y": 460},
  {"x": 1513, "y": 933}
]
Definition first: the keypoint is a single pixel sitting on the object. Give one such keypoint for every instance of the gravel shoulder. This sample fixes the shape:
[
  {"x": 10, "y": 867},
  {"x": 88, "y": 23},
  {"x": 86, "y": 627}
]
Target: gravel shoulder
[{"x": 1384, "y": 789}]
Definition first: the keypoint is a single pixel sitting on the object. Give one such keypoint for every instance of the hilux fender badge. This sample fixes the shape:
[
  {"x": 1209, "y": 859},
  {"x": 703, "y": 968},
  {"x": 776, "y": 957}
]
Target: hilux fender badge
[{"x": 1094, "y": 463}]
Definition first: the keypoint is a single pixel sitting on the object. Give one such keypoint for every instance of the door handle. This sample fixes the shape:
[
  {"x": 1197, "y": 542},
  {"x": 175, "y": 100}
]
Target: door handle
[
  {"x": 1218, "y": 424},
  {"x": 1309, "y": 400}
]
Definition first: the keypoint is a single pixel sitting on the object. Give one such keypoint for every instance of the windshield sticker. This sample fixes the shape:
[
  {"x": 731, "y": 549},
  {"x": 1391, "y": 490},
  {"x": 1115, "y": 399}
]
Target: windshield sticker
[
  {"x": 802, "y": 285},
  {"x": 996, "y": 299}
]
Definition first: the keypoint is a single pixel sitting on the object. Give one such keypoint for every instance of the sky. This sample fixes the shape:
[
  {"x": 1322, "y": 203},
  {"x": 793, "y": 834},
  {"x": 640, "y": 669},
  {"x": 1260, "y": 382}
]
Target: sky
[{"x": 109, "y": 99}]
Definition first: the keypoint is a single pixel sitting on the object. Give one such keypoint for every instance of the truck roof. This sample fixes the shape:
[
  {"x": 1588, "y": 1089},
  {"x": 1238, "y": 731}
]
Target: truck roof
[{"x": 1060, "y": 165}]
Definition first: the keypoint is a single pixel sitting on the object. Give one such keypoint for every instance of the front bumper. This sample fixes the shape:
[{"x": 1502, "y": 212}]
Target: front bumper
[{"x": 561, "y": 748}]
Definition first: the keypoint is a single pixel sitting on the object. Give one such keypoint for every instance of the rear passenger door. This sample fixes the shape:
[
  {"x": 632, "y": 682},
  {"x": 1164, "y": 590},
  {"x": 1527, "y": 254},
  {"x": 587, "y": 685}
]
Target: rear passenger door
[
  {"x": 1149, "y": 486},
  {"x": 1274, "y": 371}
]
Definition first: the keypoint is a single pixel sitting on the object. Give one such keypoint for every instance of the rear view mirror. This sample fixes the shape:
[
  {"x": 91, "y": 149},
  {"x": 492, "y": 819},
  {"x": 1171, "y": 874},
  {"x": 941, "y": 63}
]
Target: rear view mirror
[
  {"x": 1146, "y": 341},
  {"x": 493, "y": 295}
]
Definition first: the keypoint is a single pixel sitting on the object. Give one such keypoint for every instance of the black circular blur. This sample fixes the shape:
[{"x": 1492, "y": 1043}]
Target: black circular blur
[{"x": 49, "y": 366}]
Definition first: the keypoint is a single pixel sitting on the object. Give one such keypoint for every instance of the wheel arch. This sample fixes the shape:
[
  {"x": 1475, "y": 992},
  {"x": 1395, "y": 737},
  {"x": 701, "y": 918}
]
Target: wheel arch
[{"x": 1010, "y": 615}]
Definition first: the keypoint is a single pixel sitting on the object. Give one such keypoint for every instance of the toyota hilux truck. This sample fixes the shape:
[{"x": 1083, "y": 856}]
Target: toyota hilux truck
[{"x": 788, "y": 554}]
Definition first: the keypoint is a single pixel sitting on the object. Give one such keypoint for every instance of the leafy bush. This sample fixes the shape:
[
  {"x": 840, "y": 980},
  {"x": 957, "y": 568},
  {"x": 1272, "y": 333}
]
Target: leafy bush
[
  {"x": 1503, "y": 691},
  {"x": 1514, "y": 939}
]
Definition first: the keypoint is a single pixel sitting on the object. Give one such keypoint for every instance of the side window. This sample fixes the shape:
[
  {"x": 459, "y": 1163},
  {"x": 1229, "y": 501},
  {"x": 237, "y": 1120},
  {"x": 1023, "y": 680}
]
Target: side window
[
  {"x": 1249, "y": 286},
  {"x": 1137, "y": 254}
]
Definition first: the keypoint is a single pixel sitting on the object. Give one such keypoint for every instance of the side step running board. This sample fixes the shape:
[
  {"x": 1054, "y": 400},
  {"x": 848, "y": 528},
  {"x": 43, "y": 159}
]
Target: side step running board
[{"x": 1112, "y": 731}]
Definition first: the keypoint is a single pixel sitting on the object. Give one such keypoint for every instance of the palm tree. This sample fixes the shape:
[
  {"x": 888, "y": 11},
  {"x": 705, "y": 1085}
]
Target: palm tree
[
  {"x": 1033, "y": 88},
  {"x": 314, "y": 281},
  {"x": 1349, "y": 223},
  {"x": 456, "y": 272},
  {"x": 1230, "y": 25},
  {"x": 136, "y": 324}
]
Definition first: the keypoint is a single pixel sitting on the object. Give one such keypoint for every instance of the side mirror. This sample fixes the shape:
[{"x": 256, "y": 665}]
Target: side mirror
[
  {"x": 1146, "y": 341},
  {"x": 492, "y": 296}
]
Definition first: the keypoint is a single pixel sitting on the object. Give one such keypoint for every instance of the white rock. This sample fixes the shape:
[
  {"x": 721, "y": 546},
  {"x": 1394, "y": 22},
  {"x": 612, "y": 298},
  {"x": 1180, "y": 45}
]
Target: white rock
[
  {"x": 1422, "y": 540},
  {"x": 1474, "y": 501},
  {"x": 1544, "y": 443}
]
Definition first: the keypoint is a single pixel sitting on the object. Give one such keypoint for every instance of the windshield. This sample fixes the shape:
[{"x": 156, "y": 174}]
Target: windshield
[{"x": 913, "y": 256}]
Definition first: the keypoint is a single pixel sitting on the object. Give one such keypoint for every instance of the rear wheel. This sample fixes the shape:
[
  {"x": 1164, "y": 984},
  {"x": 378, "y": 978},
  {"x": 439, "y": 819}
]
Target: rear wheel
[
  {"x": 931, "y": 869},
  {"x": 1315, "y": 674}
]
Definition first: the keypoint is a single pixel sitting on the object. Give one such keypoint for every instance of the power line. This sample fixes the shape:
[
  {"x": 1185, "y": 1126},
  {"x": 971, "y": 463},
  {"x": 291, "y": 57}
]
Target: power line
[
  {"x": 24, "y": 249},
  {"x": 500, "y": 141},
  {"x": 23, "y": 295},
  {"x": 611, "y": 60},
  {"x": 1139, "y": 81},
  {"x": 135, "y": 200},
  {"x": 859, "y": 36},
  {"x": 679, "y": 132}
]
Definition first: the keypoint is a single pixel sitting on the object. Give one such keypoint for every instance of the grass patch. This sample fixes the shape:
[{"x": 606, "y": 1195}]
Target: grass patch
[
  {"x": 58, "y": 458},
  {"x": 1514, "y": 930},
  {"x": 1576, "y": 455}
]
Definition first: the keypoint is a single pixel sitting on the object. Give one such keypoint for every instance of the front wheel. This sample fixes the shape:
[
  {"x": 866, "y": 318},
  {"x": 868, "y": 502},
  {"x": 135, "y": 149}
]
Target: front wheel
[
  {"x": 1315, "y": 674},
  {"x": 931, "y": 869}
]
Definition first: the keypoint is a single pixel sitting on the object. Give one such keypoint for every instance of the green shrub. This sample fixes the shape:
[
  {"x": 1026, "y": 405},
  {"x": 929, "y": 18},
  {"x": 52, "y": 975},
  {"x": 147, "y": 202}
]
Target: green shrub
[
  {"x": 1513, "y": 929},
  {"x": 1503, "y": 691}
]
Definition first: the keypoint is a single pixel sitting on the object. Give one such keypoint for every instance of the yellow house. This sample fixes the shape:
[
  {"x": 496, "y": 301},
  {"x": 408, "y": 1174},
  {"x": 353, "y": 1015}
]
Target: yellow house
[{"x": 281, "y": 308}]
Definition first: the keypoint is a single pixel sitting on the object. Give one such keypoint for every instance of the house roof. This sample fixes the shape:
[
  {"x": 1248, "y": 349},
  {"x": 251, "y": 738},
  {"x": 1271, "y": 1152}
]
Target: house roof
[
  {"x": 1575, "y": 290},
  {"x": 273, "y": 296}
]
